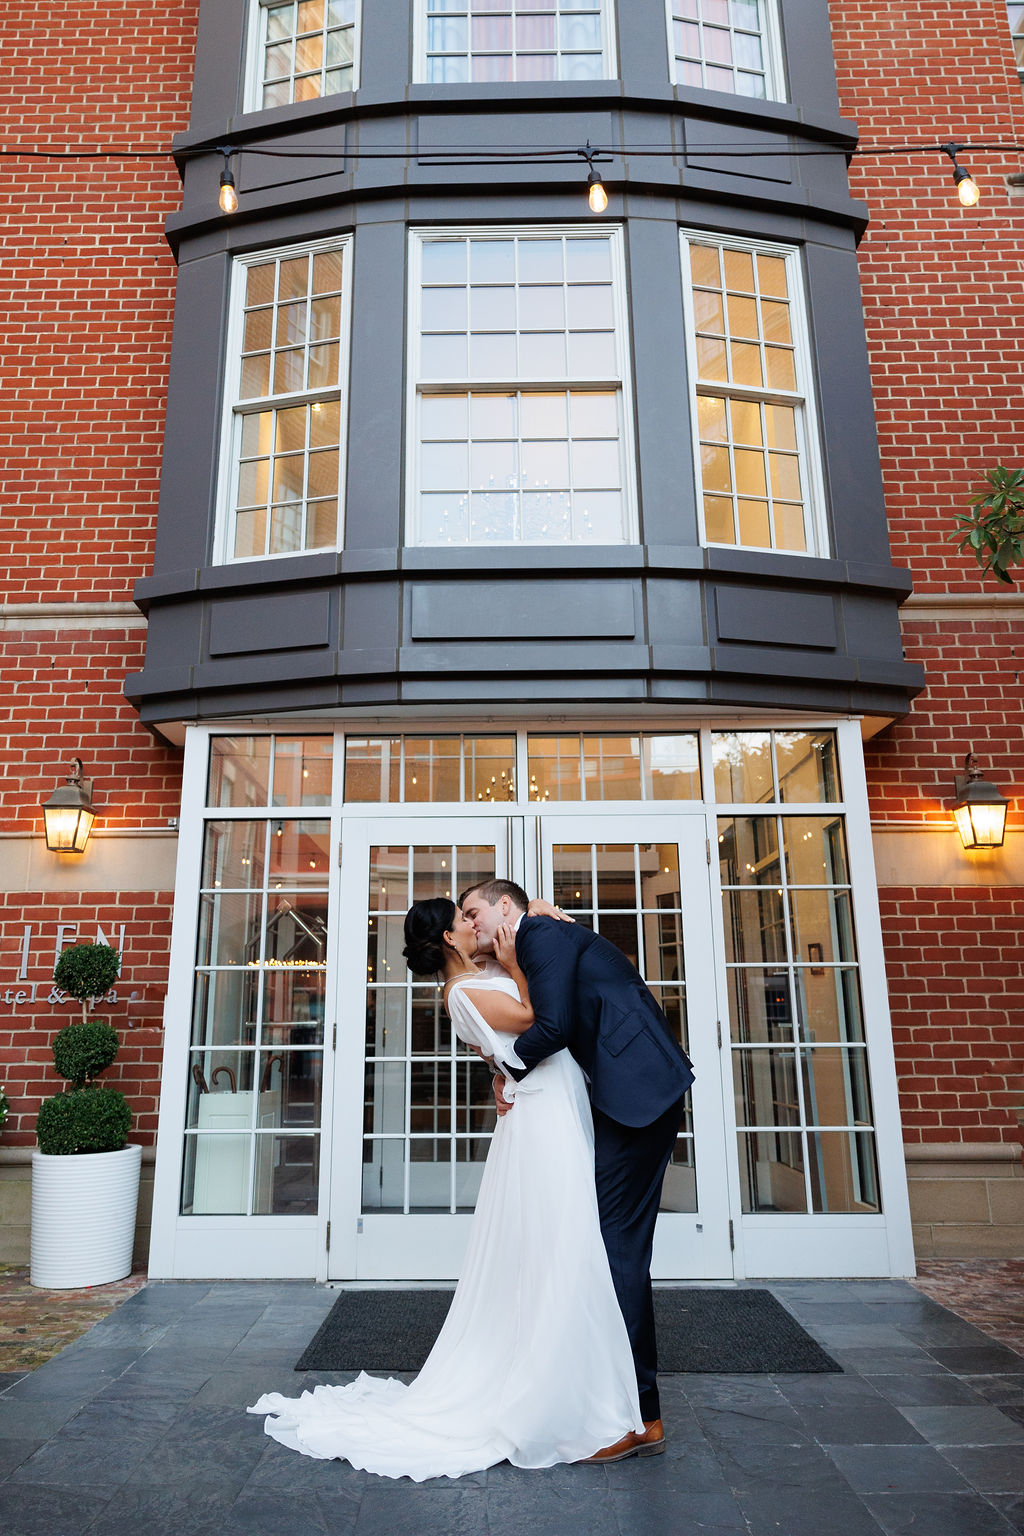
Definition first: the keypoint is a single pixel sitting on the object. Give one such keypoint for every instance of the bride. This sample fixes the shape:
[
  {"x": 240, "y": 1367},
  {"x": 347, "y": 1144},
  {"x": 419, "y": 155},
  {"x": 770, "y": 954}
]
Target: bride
[{"x": 533, "y": 1364}]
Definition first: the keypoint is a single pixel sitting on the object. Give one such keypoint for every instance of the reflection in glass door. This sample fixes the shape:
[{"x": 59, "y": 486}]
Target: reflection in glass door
[
  {"x": 426, "y": 1110},
  {"x": 644, "y": 886}
]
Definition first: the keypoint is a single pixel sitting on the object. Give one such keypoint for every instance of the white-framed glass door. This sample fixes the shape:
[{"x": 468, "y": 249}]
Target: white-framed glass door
[
  {"x": 643, "y": 882},
  {"x": 413, "y": 1107}
]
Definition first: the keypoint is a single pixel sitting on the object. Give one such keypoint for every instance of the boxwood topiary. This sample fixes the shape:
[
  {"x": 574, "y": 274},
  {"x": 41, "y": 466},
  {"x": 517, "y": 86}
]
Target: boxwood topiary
[
  {"x": 83, "y": 1051},
  {"x": 84, "y": 1120},
  {"x": 87, "y": 972},
  {"x": 88, "y": 1118}
]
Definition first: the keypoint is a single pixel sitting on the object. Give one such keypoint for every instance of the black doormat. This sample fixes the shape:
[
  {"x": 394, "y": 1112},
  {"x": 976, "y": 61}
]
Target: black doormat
[{"x": 699, "y": 1329}]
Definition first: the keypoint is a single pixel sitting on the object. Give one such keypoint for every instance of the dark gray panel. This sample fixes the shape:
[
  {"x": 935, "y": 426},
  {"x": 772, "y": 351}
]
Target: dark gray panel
[
  {"x": 675, "y": 612},
  {"x": 372, "y": 616},
  {"x": 849, "y": 442},
  {"x": 807, "y": 46},
  {"x": 220, "y": 50},
  {"x": 490, "y": 130},
  {"x": 668, "y": 505},
  {"x": 277, "y": 621},
  {"x": 373, "y": 502},
  {"x": 386, "y": 48},
  {"x": 776, "y": 618},
  {"x": 503, "y": 609},
  {"x": 191, "y": 444},
  {"x": 746, "y": 151}
]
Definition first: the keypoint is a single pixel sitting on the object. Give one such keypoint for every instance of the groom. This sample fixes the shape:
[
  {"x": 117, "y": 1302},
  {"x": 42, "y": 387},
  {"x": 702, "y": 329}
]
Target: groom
[{"x": 588, "y": 997}]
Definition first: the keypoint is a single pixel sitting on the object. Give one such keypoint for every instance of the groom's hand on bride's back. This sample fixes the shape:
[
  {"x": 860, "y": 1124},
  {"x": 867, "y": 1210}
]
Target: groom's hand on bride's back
[{"x": 540, "y": 908}]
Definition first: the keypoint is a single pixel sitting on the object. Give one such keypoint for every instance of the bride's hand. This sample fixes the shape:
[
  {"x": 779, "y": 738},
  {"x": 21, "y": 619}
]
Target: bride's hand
[
  {"x": 540, "y": 908},
  {"x": 505, "y": 946}
]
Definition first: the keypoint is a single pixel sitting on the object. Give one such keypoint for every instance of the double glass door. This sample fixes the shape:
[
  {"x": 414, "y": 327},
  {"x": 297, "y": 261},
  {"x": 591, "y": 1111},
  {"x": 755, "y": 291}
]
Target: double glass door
[{"x": 413, "y": 1112}]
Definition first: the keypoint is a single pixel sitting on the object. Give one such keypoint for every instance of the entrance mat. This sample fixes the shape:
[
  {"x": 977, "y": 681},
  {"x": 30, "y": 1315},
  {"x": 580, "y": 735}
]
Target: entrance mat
[{"x": 700, "y": 1329}]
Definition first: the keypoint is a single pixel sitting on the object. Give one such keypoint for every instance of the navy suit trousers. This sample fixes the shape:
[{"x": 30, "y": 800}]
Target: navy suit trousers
[{"x": 629, "y": 1167}]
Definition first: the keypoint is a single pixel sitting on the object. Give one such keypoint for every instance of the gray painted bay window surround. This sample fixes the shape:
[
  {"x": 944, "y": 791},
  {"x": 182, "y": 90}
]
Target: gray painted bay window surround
[{"x": 634, "y": 456}]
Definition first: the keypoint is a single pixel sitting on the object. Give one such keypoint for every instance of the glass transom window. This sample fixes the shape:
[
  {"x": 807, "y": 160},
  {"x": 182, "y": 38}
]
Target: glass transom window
[
  {"x": 304, "y": 49},
  {"x": 723, "y": 45},
  {"x": 749, "y": 366},
  {"x": 519, "y": 401},
  {"x": 287, "y": 418},
  {"x": 488, "y": 40}
]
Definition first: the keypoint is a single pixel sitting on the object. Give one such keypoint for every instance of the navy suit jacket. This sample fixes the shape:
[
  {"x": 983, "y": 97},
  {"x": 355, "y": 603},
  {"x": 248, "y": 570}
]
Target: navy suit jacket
[{"x": 588, "y": 997}]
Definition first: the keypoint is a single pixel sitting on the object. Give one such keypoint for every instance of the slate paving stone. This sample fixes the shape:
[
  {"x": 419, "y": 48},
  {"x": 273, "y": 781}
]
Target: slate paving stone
[
  {"x": 906, "y": 1359},
  {"x": 447, "y": 1512},
  {"x": 14, "y": 1451},
  {"x": 984, "y": 1360},
  {"x": 990, "y": 1468},
  {"x": 795, "y": 1512},
  {"x": 859, "y": 1424},
  {"x": 1010, "y": 1506},
  {"x": 657, "y": 1513},
  {"x": 8, "y": 1378},
  {"x": 936, "y": 1514},
  {"x": 212, "y": 1447},
  {"x": 965, "y": 1426},
  {"x": 774, "y": 1423},
  {"x": 824, "y": 1388},
  {"x": 747, "y": 1464},
  {"x": 275, "y": 1515},
  {"x": 896, "y": 1468},
  {"x": 37, "y": 1420},
  {"x": 697, "y": 1470},
  {"x": 171, "y": 1511},
  {"x": 998, "y": 1389},
  {"x": 28, "y": 1511},
  {"x": 281, "y": 1471},
  {"x": 84, "y": 1461},
  {"x": 540, "y": 1509},
  {"x": 943, "y": 1390}
]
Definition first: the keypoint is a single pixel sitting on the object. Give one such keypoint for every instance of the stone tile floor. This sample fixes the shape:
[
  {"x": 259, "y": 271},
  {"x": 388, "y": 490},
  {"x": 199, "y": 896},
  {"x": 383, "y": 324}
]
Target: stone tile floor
[{"x": 138, "y": 1425}]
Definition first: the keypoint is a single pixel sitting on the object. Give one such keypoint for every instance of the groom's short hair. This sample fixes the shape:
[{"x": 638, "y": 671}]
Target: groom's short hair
[{"x": 494, "y": 890}]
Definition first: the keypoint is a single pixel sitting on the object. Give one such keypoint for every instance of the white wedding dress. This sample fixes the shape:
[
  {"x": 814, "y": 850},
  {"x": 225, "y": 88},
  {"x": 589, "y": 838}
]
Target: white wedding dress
[{"x": 532, "y": 1365}]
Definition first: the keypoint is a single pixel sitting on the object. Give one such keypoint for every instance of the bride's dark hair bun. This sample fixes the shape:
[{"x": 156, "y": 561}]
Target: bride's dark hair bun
[{"x": 426, "y": 924}]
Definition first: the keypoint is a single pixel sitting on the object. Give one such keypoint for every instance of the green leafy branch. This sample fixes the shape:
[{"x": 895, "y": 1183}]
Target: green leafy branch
[{"x": 994, "y": 528}]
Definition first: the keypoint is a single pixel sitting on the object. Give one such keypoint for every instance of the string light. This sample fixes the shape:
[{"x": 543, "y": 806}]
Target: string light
[
  {"x": 967, "y": 189},
  {"x": 228, "y": 198}
]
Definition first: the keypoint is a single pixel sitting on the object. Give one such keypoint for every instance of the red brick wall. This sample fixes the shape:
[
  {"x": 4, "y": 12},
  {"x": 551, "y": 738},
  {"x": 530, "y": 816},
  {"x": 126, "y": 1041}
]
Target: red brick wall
[
  {"x": 86, "y": 289},
  {"x": 944, "y": 311},
  {"x": 30, "y": 1019},
  {"x": 943, "y": 299},
  {"x": 956, "y": 989},
  {"x": 64, "y": 699},
  {"x": 974, "y": 669}
]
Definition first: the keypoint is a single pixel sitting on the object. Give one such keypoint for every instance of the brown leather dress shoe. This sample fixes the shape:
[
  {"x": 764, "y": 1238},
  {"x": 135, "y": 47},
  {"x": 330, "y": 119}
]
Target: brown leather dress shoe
[{"x": 650, "y": 1443}]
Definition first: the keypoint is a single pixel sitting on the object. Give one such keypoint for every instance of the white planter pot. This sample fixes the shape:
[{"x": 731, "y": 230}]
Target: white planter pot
[{"x": 83, "y": 1217}]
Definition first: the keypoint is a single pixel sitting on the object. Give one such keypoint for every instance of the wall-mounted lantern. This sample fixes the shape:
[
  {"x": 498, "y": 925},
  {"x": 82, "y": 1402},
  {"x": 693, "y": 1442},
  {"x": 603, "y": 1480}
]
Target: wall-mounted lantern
[
  {"x": 68, "y": 815},
  {"x": 979, "y": 809}
]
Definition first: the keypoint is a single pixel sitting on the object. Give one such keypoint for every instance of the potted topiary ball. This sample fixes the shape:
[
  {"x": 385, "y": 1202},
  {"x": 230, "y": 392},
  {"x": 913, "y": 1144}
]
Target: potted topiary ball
[{"x": 85, "y": 1178}]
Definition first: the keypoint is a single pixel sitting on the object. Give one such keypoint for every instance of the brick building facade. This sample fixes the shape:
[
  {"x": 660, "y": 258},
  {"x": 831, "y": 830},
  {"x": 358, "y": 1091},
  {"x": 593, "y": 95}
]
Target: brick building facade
[{"x": 88, "y": 345}]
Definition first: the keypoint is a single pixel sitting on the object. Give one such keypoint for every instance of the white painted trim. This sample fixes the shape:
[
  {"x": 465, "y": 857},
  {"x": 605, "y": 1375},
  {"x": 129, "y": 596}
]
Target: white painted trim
[
  {"x": 881, "y": 1062},
  {"x": 255, "y": 41},
  {"x": 622, "y": 383},
  {"x": 771, "y": 41},
  {"x": 178, "y": 1011},
  {"x": 232, "y": 412},
  {"x": 803, "y": 401},
  {"x": 609, "y": 52}
]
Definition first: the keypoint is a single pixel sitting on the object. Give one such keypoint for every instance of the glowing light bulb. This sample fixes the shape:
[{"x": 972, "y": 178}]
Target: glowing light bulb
[{"x": 597, "y": 197}]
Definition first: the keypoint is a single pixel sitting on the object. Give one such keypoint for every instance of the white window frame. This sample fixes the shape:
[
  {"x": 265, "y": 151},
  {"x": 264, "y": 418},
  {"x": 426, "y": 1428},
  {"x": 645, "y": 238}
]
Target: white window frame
[
  {"x": 771, "y": 43},
  {"x": 255, "y": 42},
  {"x": 608, "y": 51},
  {"x": 234, "y": 408},
  {"x": 622, "y": 383},
  {"x": 808, "y": 434}
]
